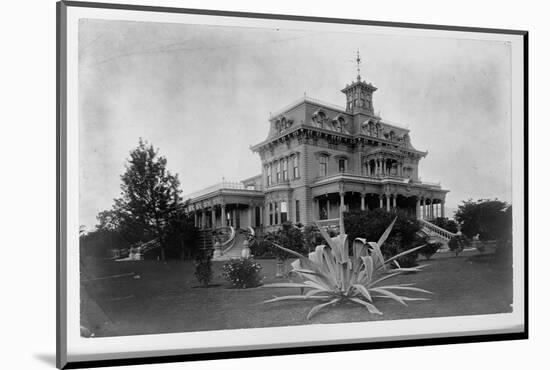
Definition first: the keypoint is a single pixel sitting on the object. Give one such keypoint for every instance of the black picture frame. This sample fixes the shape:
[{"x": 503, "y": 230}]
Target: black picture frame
[{"x": 61, "y": 190}]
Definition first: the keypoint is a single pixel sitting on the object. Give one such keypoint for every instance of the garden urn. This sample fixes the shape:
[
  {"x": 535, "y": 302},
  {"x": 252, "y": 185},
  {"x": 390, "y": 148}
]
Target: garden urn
[
  {"x": 217, "y": 249},
  {"x": 245, "y": 253}
]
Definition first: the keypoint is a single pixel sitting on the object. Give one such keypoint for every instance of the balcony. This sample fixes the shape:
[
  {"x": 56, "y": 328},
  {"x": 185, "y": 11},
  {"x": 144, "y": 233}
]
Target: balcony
[
  {"x": 227, "y": 186},
  {"x": 375, "y": 179}
]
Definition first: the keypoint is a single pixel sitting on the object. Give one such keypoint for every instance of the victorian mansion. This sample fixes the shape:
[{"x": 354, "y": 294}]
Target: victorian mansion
[{"x": 318, "y": 157}]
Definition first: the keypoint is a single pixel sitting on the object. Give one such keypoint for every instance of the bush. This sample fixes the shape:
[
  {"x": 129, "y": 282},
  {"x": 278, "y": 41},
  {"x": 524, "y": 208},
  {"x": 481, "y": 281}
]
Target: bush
[
  {"x": 458, "y": 243},
  {"x": 242, "y": 272},
  {"x": 371, "y": 224},
  {"x": 289, "y": 237},
  {"x": 312, "y": 238},
  {"x": 203, "y": 267},
  {"x": 430, "y": 249},
  {"x": 262, "y": 248}
]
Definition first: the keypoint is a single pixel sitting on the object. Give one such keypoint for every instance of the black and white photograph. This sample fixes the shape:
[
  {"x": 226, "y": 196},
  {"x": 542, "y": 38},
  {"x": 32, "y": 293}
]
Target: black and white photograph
[{"x": 248, "y": 182}]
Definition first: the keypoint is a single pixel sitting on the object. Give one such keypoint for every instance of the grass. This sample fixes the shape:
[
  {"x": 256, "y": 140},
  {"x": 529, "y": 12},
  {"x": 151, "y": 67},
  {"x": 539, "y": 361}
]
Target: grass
[{"x": 166, "y": 298}]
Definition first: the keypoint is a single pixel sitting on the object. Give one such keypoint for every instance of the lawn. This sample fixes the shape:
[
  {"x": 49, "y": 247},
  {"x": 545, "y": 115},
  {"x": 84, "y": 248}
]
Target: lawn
[{"x": 147, "y": 297}]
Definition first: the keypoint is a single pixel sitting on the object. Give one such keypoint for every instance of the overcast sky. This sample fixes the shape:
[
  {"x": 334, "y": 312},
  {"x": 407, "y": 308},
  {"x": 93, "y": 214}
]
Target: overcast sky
[{"x": 203, "y": 95}]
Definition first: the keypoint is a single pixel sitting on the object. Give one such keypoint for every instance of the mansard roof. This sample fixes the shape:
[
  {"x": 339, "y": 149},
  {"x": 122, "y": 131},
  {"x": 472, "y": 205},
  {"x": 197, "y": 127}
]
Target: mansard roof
[{"x": 312, "y": 114}]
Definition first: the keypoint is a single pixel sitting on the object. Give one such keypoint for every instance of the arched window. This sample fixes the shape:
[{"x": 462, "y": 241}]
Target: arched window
[
  {"x": 340, "y": 124},
  {"x": 319, "y": 118}
]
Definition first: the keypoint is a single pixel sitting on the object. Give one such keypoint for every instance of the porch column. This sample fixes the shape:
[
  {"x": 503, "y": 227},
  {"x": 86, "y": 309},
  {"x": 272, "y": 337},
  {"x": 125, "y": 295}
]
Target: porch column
[
  {"x": 224, "y": 216},
  {"x": 431, "y": 208},
  {"x": 328, "y": 208},
  {"x": 381, "y": 202},
  {"x": 443, "y": 208},
  {"x": 423, "y": 205},
  {"x": 387, "y": 202},
  {"x": 342, "y": 203},
  {"x": 262, "y": 215},
  {"x": 203, "y": 218},
  {"x": 418, "y": 215},
  {"x": 196, "y": 218},
  {"x": 395, "y": 201},
  {"x": 315, "y": 209},
  {"x": 362, "y": 201},
  {"x": 250, "y": 212}
]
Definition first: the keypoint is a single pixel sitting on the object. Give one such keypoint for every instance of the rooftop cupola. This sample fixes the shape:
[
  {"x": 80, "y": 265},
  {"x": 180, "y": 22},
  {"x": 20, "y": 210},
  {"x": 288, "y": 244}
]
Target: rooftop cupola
[{"x": 359, "y": 93}]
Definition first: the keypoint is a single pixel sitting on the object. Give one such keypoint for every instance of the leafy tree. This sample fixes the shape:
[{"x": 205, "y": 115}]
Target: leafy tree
[
  {"x": 149, "y": 200},
  {"x": 181, "y": 240},
  {"x": 446, "y": 223},
  {"x": 491, "y": 219}
]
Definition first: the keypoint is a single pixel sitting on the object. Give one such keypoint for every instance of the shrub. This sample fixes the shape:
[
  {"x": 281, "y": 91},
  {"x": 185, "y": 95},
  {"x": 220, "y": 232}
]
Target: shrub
[
  {"x": 262, "y": 248},
  {"x": 332, "y": 275},
  {"x": 458, "y": 243},
  {"x": 430, "y": 249},
  {"x": 288, "y": 236},
  {"x": 312, "y": 238},
  {"x": 203, "y": 267},
  {"x": 242, "y": 272},
  {"x": 371, "y": 224}
]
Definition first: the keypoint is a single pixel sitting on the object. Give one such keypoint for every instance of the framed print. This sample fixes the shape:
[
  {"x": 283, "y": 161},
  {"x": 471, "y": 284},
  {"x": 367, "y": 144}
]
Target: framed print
[{"x": 237, "y": 184}]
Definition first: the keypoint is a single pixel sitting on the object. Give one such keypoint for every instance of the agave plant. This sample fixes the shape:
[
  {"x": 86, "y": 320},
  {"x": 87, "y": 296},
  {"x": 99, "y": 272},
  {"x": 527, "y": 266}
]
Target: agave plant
[{"x": 331, "y": 275}]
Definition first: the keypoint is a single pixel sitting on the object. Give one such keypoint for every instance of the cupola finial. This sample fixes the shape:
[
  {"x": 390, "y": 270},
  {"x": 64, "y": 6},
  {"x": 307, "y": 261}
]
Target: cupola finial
[{"x": 358, "y": 60}]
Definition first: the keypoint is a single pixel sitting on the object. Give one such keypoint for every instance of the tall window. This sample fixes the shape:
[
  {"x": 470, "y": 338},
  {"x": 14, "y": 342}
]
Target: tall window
[
  {"x": 342, "y": 165},
  {"x": 284, "y": 212},
  {"x": 323, "y": 160},
  {"x": 269, "y": 179},
  {"x": 276, "y": 213},
  {"x": 278, "y": 175},
  {"x": 296, "y": 170},
  {"x": 297, "y": 211},
  {"x": 285, "y": 169},
  {"x": 271, "y": 213}
]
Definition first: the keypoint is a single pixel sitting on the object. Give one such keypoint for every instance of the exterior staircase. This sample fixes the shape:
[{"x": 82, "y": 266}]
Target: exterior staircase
[
  {"x": 232, "y": 246},
  {"x": 436, "y": 234}
]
